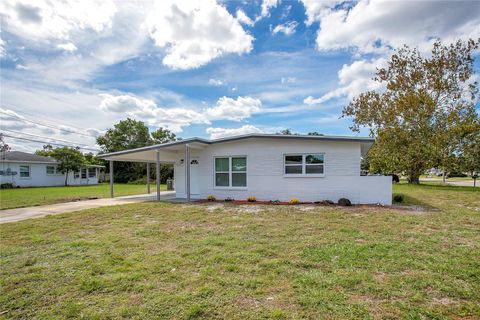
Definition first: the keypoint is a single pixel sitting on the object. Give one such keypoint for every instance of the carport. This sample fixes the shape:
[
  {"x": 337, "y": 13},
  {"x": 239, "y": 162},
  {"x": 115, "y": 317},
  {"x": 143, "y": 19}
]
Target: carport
[{"x": 165, "y": 153}]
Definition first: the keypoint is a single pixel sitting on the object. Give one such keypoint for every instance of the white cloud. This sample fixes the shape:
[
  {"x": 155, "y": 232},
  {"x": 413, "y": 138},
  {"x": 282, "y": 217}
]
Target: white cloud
[
  {"x": 217, "y": 133},
  {"x": 3, "y": 52},
  {"x": 243, "y": 18},
  {"x": 288, "y": 80},
  {"x": 374, "y": 26},
  {"x": 42, "y": 20},
  {"x": 174, "y": 119},
  {"x": 315, "y": 9},
  {"x": 69, "y": 47},
  {"x": 353, "y": 80},
  {"x": 231, "y": 109},
  {"x": 287, "y": 28},
  {"x": 216, "y": 82},
  {"x": 266, "y": 6},
  {"x": 194, "y": 33}
]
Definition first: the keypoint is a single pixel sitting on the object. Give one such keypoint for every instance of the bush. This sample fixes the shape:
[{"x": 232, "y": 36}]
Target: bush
[
  {"x": 6, "y": 185},
  {"x": 344, "y": 202},
  {"x": 229, "y": 199},
  {"x": 251, "y": 199},
  {"x": 325, "y": 202},
  {"x": 398, "y": 198},
  {"x": 293, "y": 201},
  {"x": 211, "y": 197}
]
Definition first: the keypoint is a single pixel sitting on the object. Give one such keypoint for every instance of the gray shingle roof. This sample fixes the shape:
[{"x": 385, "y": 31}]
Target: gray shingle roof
[{"x": 23, "y": 156}]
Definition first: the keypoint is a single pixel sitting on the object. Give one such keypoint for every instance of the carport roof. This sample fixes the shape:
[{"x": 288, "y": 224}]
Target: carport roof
[{"x": 200, "y": 142}]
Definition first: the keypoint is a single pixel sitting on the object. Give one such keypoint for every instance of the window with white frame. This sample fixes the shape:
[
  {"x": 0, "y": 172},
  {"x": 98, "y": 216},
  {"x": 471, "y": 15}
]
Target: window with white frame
[
  {"x": 92, "y": 172},
  {"x": 24, "y": 171},
  {"x": 231, "y": 172},
  {"x": 50, "y": 170},
  {"x": 304, "y": 164}
]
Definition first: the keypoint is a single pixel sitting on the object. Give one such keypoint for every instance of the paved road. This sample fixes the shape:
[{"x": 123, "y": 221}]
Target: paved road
[
  {"x": 462, "y": 183},
  {"x": 12, "y": 215}
]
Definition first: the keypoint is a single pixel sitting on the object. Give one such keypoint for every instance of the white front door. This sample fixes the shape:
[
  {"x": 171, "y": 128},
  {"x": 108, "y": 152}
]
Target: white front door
[{"x": 194, "y": 176}]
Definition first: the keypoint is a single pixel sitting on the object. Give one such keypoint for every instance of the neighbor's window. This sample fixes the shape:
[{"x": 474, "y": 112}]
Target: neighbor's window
[
  {"x": 92, "y": 172},
  {"x": 304, "y": 164},
  {"x": 231, "y": 172},
  {"x": 50, "y": 170},
  {"x": 24, "y": 171},
  {"x": 84, "y": 173}
]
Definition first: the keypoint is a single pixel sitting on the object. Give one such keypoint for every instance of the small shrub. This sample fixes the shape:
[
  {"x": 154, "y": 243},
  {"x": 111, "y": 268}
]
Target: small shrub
[
  {"x": 398, "y": 197},
  {"x": 293, "y": 201},
  {"x": 325, "y": 202},
  {"x": 6, "y": 185},
  {"x": 275, "y": 201},
  {"x": 251, "y": 199},
  {"x": 344, "y": 202},
  {"x": 211, "y": 197},
  {"x": 229, "y": 199}
]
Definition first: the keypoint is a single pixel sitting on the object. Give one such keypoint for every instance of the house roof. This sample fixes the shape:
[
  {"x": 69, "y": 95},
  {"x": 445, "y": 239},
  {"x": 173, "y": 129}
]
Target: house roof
[
  {"x": 19, "y": 156},
  {"x": 198, "y": 142}
]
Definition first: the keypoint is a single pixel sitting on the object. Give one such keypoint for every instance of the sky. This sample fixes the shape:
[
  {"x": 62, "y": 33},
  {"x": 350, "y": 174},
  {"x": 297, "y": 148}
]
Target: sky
[{"x": 72, "y": 69}]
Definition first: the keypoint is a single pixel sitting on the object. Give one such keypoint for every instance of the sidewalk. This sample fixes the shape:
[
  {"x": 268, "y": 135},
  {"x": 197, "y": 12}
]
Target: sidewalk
[{"x": 18, "y": 214}]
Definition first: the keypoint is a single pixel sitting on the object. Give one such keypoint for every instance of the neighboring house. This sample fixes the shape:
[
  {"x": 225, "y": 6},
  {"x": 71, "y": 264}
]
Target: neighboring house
[
  {"x": 30, "y": 170},
  {"x": 269, "y": 167}
]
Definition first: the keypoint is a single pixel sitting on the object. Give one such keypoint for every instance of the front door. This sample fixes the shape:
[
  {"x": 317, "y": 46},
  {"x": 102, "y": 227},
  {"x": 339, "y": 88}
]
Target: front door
[{"x": 194, "y": 176}]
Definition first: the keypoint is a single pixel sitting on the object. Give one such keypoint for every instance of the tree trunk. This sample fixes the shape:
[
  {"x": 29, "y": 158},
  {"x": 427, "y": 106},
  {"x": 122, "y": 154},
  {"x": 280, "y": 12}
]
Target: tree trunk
[
  {"x": 443, "y": 176},
  {"x": 66, "y": 177},
  {"x": 414, "y": 179}
]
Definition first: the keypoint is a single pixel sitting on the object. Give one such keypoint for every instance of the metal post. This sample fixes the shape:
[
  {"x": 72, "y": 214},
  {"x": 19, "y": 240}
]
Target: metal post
[
  {"x": 187, "y": 171},
  {"x": 148, "y": 178},
  {"x": 111, "y": 179},
  {"x": 158, "y": 175}
]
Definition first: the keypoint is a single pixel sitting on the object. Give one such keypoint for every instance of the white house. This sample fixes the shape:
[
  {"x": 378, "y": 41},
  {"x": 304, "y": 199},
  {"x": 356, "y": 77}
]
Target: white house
[
  {"x": 269, "y": 167},
  {"x": 30, "y": 170}
]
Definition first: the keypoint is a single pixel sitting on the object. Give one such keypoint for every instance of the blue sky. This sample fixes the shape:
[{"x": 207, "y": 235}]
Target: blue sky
[{"x": 203, "y": 68}]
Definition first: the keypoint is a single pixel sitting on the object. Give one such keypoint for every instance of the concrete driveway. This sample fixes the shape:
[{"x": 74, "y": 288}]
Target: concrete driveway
[{"x": 12, "y": 215}]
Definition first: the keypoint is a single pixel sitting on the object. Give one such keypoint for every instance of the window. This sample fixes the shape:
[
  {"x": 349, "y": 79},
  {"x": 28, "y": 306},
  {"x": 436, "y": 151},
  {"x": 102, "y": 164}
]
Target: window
[
  {"x": 92, "y": 172},
  {"x": 231, "y": 172},
  {"x": 84, "y": 173},
  {"x": 50, "y": 170},
  {"x": 24, "y": 171},
  {"x": 76, "y": 175},
  {"x": 304, "y": 164}
]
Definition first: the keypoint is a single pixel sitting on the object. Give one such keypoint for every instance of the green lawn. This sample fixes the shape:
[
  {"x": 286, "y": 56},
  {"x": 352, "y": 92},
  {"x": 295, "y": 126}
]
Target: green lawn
[
  {"x": 25, "y": 197},
  {"x": 178, "y": 261}
]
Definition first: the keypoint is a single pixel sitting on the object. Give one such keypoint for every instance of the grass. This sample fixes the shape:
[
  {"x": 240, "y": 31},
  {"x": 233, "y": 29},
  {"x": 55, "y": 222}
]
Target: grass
[
  {"x": 216, "y": 261},
  {"x": 26, "y": 197}
]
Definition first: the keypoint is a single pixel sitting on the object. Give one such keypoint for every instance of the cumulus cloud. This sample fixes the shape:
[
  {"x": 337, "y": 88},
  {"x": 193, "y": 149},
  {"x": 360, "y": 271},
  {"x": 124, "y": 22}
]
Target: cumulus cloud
[
  {"x": 69, "y": 47},
  {"x": 46, "y": 20},
  {"x": 266, "y": 6},
  {"x": 216, "y": 82},
  {"x": 147, "y": 110},
  {"x": 194, "y": 33},
  {"x": 231, "y": 109},
  {"x": 375, "y": 26},
  {"x": 315, "y": 9},
  {"x": 243, "y": 18},
  {"x": 353, "y": 80},
  {"x": 217, "y": 133},
  {"x": 287, "y": 28}
]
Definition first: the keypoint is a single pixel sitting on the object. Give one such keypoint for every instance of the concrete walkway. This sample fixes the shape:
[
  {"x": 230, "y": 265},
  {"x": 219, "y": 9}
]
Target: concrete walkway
[{"x": 12, "y": 215}]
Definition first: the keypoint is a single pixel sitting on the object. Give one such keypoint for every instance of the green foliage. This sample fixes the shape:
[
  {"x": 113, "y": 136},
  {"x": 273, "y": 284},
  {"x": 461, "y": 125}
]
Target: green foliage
[
  {"x": 163, "y": 135},
  {"x": 69, "y": 159},
  {"x": 398, "y": 197},
  {"x": 425, "y": 115},
  {"x": 4, "y": 147}
]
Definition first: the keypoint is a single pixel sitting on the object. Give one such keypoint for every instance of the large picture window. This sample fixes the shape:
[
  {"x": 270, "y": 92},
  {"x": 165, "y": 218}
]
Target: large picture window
[
  {"x": 92, "y": 172},
  {"x": 24, "y": 171},
  {"x": 304, "y": 164},
  {"x": 231, "y": 172}
]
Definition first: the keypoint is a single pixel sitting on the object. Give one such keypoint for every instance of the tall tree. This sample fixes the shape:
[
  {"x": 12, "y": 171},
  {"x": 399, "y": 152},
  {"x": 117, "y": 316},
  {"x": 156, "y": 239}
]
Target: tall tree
[
  {"x": 46, "y": 151},
  {"x": 70, "y": 159},
  {"x": 163, "y": 135},
  {"x": 4, "y": 147},
  {"x": 425, "y": 111}
]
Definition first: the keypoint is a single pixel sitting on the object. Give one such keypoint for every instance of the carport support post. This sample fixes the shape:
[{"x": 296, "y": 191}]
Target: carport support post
[
  {"x": 158, "y": 175},
  {"x": 187, "y": 171},
  {"x": 111, "y": 179},
  {"x": 148, "y": 178}
]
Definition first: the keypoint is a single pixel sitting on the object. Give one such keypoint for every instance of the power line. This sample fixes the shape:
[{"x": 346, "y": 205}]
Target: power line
[
  {"x": 38, "y": 136},
  {"x": 48, "y": 142},
  {"x": 45, "y": 125}
]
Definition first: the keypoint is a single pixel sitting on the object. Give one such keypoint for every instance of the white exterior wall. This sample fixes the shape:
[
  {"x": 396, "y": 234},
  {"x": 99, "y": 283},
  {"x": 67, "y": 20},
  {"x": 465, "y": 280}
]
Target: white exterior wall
[
  {"x": 265, "y": 172},
  {"x": 39, "y": 178}
]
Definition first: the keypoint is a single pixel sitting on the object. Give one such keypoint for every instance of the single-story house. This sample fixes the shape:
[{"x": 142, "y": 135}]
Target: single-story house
[
  {"x": 30, "y": 170},
  {"x": 267, "y": 166}
]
